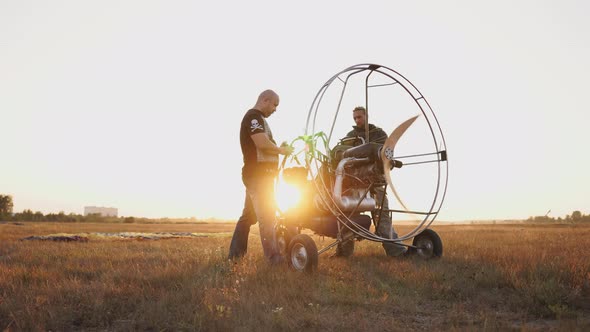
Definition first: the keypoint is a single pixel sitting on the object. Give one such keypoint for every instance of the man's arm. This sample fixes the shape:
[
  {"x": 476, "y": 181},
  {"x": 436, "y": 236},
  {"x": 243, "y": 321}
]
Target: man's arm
[
  {"x": 380, "y": 136},
  {"x": 262, "y": 142},
  {"x": 349, "y": 139}
]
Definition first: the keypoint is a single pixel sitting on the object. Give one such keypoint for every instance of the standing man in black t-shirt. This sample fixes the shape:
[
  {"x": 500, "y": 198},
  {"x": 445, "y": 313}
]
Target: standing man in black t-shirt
[{"x": 260, "y": 168}]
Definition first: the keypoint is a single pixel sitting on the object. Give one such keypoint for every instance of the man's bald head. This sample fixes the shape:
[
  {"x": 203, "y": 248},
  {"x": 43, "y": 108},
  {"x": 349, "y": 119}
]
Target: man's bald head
[
  {"x": 267, "y": 102},
  {"x": 267, "y": 94}
]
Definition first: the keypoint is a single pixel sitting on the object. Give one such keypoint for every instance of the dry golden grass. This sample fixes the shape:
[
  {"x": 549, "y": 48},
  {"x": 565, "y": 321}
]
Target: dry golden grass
[{"x": 529, "y": 277}]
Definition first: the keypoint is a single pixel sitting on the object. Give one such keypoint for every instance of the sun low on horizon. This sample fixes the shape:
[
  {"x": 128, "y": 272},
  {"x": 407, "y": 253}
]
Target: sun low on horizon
[{"x": 138, "y": 107}]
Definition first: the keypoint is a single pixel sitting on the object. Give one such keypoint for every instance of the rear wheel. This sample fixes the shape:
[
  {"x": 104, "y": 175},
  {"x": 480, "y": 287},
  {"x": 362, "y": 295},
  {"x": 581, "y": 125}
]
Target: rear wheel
[
  {"x": 302, "y": 254},
  {"x": 428, "y": 244}
]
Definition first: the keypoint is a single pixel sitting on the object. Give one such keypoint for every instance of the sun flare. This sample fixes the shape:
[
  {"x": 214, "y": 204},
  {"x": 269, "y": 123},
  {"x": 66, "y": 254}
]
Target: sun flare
[{"x": 287, "y": 195}]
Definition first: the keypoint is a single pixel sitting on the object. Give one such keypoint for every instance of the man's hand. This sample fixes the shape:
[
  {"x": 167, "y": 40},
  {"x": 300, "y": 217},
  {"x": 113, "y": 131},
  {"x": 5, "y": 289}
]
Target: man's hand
[{"x": 285, "y": 149}]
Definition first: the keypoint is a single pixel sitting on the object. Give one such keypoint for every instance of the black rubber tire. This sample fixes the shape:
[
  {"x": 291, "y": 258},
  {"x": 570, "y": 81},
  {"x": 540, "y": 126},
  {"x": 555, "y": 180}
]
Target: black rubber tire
[
  {"x": 428, "y": 243},
  {"x": 302, "y": 254}
]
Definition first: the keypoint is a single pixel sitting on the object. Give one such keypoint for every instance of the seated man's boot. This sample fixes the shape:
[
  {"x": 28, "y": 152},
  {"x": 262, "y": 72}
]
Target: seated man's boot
[{"x": 394, "y": 250}]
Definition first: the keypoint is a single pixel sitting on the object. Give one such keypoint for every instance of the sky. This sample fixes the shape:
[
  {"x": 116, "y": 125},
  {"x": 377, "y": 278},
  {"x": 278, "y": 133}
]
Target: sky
[{"x": 137, "y": 104}]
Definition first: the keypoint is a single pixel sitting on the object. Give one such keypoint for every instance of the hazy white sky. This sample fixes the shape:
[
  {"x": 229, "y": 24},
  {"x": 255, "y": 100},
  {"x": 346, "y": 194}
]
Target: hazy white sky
[{"x": 137, "y": 104}]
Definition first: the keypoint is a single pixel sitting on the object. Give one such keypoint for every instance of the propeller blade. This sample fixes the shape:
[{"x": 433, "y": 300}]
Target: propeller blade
[
  {"x": 397, "y": 133},
  {"x": 387, "y": 154}
]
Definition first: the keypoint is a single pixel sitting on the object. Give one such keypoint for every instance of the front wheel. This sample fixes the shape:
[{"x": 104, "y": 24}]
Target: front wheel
[
  {"x": 302, "y": 254},
  {"x": 428, "y": 244}
]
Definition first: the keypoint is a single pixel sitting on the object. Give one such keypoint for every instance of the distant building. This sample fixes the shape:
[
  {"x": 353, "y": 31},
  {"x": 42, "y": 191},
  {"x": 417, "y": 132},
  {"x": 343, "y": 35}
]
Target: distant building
[{"x": 103, "y": 211}]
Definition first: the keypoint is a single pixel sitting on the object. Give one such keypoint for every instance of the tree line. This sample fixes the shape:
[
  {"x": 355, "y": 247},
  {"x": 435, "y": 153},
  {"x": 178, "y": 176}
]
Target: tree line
[
  {"x": 6, "y": 214},
  {"x": 575, "y": 217}
]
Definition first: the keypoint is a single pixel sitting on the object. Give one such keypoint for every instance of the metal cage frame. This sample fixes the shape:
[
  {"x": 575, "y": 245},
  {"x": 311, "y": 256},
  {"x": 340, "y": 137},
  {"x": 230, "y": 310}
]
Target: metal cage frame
[{"x": 438, "y": 155}]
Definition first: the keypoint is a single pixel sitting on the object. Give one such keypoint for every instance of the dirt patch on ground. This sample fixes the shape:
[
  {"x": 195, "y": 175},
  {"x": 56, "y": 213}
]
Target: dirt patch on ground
[{"x": 85, "y": 237}]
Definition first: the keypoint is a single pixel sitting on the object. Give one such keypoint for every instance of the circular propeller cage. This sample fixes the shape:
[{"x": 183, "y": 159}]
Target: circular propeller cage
[{"x": 418, "y": 188}]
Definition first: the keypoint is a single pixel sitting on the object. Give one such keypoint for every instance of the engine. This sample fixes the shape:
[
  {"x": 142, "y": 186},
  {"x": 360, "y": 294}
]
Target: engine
[
  {"x": 358, "y": 168},
  {"x": 345, "y": 182},
  {"x": 348, "y": 179},
  {"x": 363, "y": 168}
]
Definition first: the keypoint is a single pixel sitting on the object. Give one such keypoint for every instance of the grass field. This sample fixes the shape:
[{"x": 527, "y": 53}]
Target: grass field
[{"x": 522, "y": 277}]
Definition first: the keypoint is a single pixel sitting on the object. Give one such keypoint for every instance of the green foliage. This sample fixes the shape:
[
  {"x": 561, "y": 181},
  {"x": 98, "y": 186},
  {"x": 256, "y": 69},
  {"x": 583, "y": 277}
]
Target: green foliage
[
  {"x": 6, "y": 214},
  {"x": 575, "y": 217},
  {"x": 6, "y": 206},
  {"x": 310, "y": 149},
  {"x": 29, "y": 215}
]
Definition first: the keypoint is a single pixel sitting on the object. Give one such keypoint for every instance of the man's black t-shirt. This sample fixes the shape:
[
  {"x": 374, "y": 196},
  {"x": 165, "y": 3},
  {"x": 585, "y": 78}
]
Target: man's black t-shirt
[{"x": 256, "y": 162}]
